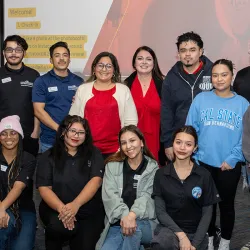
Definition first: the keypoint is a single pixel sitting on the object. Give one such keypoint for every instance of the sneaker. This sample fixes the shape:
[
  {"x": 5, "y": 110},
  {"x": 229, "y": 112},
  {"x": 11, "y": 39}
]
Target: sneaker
[
  {"x": 224, "y": 244},
  {"x": 246, "y": 246},
  {"x": 211, "y": 243}
]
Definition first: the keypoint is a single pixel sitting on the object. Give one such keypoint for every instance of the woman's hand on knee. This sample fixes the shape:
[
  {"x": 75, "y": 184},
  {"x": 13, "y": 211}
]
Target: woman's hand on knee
[
  {"x": 128, "y": 224},
  {"x": 185, "y": 244}
]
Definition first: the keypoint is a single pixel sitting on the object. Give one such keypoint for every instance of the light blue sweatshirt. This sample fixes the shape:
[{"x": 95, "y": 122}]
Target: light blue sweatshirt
[{"x": 218, "y": 122}]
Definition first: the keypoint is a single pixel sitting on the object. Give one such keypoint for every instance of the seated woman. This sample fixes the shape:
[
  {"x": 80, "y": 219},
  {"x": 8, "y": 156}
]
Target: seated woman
[
  {"x": 126, "y": 194},
  {"x": 69, "y": 176},
  {"x": 184, "y": 194},
  {"x": 17, "y": 209}
]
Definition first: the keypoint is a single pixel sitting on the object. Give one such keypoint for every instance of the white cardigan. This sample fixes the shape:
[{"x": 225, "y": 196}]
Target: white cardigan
[{"x": 126, "y": 105}]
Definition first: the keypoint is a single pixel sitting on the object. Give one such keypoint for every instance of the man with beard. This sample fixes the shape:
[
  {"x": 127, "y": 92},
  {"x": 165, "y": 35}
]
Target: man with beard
[
  {"x": 53, "y": 92},
  {"x": 16, "y": 82},
  {"x": 187, "y": 78}
]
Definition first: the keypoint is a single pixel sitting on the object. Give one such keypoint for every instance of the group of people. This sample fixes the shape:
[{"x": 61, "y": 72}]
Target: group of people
[{"x": 104, "y": 146}]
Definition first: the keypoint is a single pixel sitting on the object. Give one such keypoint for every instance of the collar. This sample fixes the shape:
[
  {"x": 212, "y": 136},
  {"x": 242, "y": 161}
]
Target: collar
[
  {"x": 142, "y": 164},
  {"x": 169, "y": 170},
  {"x": 10, "y": 71},
  {"x": 197, "y": 70},
  {"x": 66, "y": 79}
]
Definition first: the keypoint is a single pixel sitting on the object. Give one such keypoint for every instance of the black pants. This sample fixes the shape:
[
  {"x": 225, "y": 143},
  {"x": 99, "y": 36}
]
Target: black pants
[
  {"x": 83, "y": 237},
  {"x": 226, "y": 183},
  {"x": 165, "y": 239},
  {"x": 31, "y": 145}
]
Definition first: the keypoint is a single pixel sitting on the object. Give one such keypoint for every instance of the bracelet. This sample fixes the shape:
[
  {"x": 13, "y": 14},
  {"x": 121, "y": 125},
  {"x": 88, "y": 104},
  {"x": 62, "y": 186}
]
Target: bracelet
[{"x": 183, "y": 237}]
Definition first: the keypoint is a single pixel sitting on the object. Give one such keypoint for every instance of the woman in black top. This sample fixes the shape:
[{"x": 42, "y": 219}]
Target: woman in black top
[
  {"x": 184, "y": 194},
  {"x": 69, "y": 176},
  {"x": 17, "y": 209}
]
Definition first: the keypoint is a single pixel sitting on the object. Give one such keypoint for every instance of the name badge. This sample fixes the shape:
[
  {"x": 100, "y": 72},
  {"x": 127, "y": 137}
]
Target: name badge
[
  {"x": 137, "y": 177},
  {"x": 3, "y": 168},
  {"x": 73, "y": 87},
  {"x": 7, "y": 79},
  {"x": 52, "y": 89}
]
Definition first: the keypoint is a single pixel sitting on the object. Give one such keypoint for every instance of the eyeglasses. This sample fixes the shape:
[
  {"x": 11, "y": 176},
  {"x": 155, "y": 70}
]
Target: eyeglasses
[
  {"x": 12, "y": 133},
  {"x": 18, "y": 50},
  {"x": 108, "y": 66},
  {"x": 73, "y": 132}
]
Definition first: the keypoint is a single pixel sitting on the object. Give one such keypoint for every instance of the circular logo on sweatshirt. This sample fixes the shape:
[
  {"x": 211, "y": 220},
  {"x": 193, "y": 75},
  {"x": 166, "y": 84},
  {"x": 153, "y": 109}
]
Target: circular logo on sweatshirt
[{"x": 196, "y": 192}]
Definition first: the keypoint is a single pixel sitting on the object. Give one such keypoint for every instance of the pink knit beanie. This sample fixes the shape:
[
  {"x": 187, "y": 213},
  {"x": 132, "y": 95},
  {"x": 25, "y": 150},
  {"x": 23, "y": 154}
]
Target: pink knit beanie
[{"x": 11, "y": 122}]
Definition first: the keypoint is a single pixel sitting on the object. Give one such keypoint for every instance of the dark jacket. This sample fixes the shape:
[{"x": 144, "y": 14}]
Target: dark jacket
[
  {"x": 242, "y": 83},
  {"x": 178, "y": 91},
  {"x": 158, "y": 82}
]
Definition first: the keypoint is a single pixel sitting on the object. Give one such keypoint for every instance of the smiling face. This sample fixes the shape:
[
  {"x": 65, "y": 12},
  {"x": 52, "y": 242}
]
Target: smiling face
[
  {"x": 9, "y": 139},
  {"x": 75, "y": 135},
  {"x": 13, "y": 54},
  {"x": 184, "y": 146},
  {"x": 131, "y": 145},
  {"x": 144, "y": 62},
  {"x": 222, "y": 78},
  {"x": 104, "y": 70},
  {"x": 60, "y": 59}
]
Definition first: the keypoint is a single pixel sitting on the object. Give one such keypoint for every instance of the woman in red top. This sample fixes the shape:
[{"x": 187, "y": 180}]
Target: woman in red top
[
  {"x": 145, "y": 84},
  {"x": 106, "y": 103}
]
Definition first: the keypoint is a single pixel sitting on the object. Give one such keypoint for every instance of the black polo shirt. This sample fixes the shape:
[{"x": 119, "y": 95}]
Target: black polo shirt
[
  {"x": 28, "y": 165},
  {"x": 184, "y": 199},
  {"x": 16, "y": 95},
  {"x": 130, "y": 181},
  {"x": 69, "y": 183}
]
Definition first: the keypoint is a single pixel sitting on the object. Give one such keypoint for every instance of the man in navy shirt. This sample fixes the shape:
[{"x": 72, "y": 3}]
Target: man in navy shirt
[{"x": 53, "y": 92}]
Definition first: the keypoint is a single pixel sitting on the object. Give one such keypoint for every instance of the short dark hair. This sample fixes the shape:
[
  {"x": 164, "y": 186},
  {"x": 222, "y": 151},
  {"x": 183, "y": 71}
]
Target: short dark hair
[
  {"x": 57, "y": 45},
  {"x": 190, "y": 130},
  {"x": 117, "y": 75},
  {"x": 18, "y": 39},
  {"x": 189, "y": 36},
  {"x": 225, "y": 62},
  {"x": 156, "y": 72}
]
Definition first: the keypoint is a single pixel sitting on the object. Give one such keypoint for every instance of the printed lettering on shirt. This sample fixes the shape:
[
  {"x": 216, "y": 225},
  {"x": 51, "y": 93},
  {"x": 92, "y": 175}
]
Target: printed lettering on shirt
[
  {"x": 206, "y": 84},
  {"x": 53, "y": 89},
  {"x": 222, "y": 117},
  {"x": 72, "y": 87},
  {"x": 137, "y": 177},
  {"x": 3, "y": 168},
  {"x": 26, "y": 84},
  {"x": 5, "y": 80},
  {"x": 196, "y": 192},
  {"x": 89, "y": 163}
]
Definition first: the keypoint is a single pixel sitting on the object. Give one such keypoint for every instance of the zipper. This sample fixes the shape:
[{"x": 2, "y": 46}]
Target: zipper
[{"x": 192, "y": 87}]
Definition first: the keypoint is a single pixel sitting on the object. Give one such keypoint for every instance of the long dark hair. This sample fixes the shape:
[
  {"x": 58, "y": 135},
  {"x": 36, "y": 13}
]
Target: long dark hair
[
  {"x": 117, "y": 74},
  {"x": 120, "y": 156},
  {"x": 156, "y": 72},
  {"x": 59, "y": 149},
  {"x": 14, "y": 172}
]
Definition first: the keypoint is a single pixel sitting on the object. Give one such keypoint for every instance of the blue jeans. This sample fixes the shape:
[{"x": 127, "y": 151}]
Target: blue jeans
[
  {"x": 116, "y": 241},
  {"x": 44, "y": 147},
  {"x": 25, "y": 239}
]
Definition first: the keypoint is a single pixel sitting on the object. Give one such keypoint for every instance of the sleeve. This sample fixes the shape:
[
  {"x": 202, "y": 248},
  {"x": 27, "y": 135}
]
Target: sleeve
[
  {"x": 130, "y": 112},
  {"x": 160, "y": 206},
  {"x": 144, "y": 206},
  {"x": 167, "y": 113},
  {"x": 193, "y": 117},
  {"x": 39, "y": 91},
  {"x": 246, "y": 135},
  {"x": 76, "y": 105},
  {"x": 44, "y": 173},
  {"x": 27, "y": 171},
  {"x": 210, "y": 193},
  {"x": 203, "y": 226},
  {"x": 114, "y": 206},
  {"x": 97, "y": 169},
  {"x": 236, "y": 152}
]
